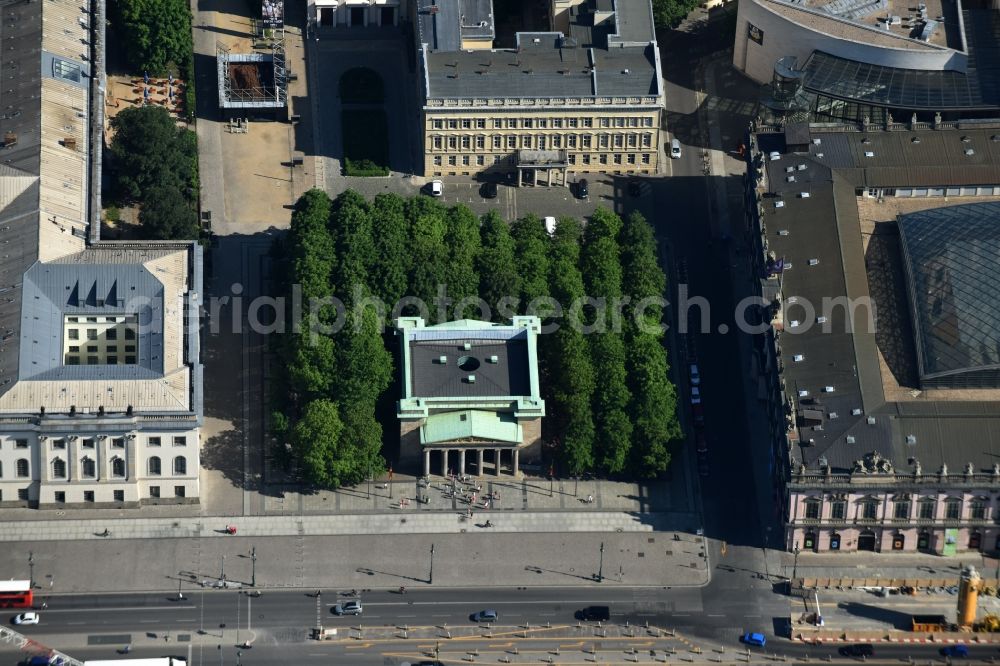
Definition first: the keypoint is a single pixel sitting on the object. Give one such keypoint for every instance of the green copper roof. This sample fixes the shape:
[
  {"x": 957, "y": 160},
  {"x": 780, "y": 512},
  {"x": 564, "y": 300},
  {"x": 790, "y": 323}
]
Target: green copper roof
[{"x": 470, "y": 424}]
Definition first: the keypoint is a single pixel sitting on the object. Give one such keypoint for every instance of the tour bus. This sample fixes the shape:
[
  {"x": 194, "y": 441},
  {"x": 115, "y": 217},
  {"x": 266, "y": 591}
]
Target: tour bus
[{"x": 16, "y": 594}]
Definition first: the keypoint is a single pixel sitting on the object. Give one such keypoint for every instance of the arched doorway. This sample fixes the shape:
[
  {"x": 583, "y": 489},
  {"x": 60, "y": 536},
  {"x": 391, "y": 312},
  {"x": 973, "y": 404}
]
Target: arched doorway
[
  {"x": 835, "y": 541},
  {"x": 975, "y": 541},
  {"x": 924, "y": 542},
  {"x": 898, "y": 542},
  {"x": 867, "y": 541}
]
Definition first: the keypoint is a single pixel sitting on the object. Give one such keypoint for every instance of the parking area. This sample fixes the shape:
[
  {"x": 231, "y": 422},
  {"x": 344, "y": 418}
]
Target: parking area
[{"x": 514, "y": 202}]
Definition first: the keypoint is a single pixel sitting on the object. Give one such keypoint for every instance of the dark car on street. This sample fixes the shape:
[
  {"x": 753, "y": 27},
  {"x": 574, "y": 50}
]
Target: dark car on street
[
  {"x": 594, "y": 614},
  {"x": 955, "y": 650},
  {"x": 582, "y": 188},
  {"x": 858, "y": 650},
  {"x": 489, "y": 190}
]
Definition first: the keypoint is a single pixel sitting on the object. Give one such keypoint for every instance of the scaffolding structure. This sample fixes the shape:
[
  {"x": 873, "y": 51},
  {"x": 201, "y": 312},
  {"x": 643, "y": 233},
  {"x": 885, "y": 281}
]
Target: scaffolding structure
[{"x": 253, "y": 80}]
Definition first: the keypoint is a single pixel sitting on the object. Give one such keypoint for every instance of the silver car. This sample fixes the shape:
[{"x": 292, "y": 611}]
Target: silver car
[{"x": 348, "y": 608}]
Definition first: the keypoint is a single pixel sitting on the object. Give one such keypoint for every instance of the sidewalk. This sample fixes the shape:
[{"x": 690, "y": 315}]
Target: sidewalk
[{"x": 289, "y": 554}]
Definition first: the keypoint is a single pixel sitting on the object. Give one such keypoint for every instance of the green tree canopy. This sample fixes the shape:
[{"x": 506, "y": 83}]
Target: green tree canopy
[
  {"x": 670, "y": 13},
  {"x": 315, "y": 438},
  {"x": 167, "y": 215},
  {"x": 388, "y": 279},
  {"x": 365, "y": 365},
  {"x": 498, "y": 278},
  {"x": 149, "y": 150},
  {"x": 642, "y": 277},
  {"x": 531, "y": 246},
  {"x": 351, "y": 228},
  {"x": 310, "y": 245},
  {"x": 311, "y": 364},
  {"x": 653, "y": 407},
  {"x": 428, "y": 228},
  {"x": 463, "y": 241},
  {"x": 155, "y": 34}
]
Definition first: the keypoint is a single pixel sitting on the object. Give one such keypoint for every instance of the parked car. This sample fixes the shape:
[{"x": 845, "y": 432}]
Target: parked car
[
  {"x": 695, "y": 375},
  {"x": 957, "y": 650},
  {"x": 489, "y": 190},
  {"x": 858, "y": 650},
  {"x": 753, "y": 638},
  {"x": 582, "y": 188},
  {"x": 695, "y": 395},
  {"x": 594, "y": 614},
  {"x": 485, "y": 616},
  {"x": 699, "y": 414},
  {"x": 437, "y": 188},
  {"x": 675, "y": 149},
  {"x": 550, "y": 225},
  {"x": 348, "y": 608},
  {"x": 700, "y": 442},
  {"x": 26, "y": 618}
]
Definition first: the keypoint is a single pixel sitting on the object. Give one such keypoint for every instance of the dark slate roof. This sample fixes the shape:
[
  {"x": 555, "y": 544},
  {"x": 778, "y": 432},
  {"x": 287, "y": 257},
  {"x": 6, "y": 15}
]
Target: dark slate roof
[
  {"x": 953, "y": 271},
  {"x": 53, "y": 291},
  {"x": 542, "y": 70},
  {"x": 20, "y": 115},
  {"x": 508, "y": 377},
  {"x": 825, "y": 226},
  {"x": 441, "y": 24}
]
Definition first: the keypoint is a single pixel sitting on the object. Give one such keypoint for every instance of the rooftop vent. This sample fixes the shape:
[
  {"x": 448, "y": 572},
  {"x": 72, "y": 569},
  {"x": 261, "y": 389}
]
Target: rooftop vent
[
  {"x": 855, "y": 412},
  {"x": 871, "y": 420},
  {"x": 790, "y": 179},
  {"x": 803, "y": 393},
  {"x": 794, "y": 323},
  {"x": 779, "y": 204},
  {"x": 801, "y": 167},
  {"x": 471, "y": 379},
  {"x": 915, "y": 139},
  {"x": 911, "y": 439},
  {"x": 816, "y": 142},
  {"x": 798, "y": 358},
  {"x": 782, "y": 232},
  {"x": 494, "y": 359},
  {"x": 813, "y": 262},
  {"x": 804, "y": 195},
  {"x": 467, "y": 346},
  {"x": 442, "y": 359},
  {"x": 869, "y": 153},
  {"x": 851, "y": 439},
  {"x": 828, "y": 389},
  {"x": 969, "y": 152},
  {"x": 821, "y": 319},
  {"x": 834, "y": 415},
  {"x": 774, "y": 155}
]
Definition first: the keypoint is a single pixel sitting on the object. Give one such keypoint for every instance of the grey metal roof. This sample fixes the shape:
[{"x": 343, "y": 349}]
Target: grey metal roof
[
  {"x": 953, "y": 270},
  {"x": 54, "y": 291},
  {"x": 825, "y": 226},
  {"x": 542, "y": 72},
  {"x": 507, "y": 377}
]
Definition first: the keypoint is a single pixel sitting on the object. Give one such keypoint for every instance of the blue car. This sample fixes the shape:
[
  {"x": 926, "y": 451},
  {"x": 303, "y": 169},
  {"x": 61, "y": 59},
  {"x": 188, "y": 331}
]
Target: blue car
[
  {"x": 752, "y": 638},
  {"x": 955, "y": 651}
]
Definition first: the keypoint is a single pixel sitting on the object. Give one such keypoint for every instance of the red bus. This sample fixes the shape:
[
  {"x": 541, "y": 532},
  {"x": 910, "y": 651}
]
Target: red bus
[{"x": 16, "y": 594}]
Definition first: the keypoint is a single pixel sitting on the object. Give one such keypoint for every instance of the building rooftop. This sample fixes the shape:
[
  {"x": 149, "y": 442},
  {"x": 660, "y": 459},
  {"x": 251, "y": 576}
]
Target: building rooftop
[
  {"x": 937, "y": 20},
  {"x": 610, "y": 52},
  {"x": 833, "y": 369},
  {"x": 953, "y": 278}
]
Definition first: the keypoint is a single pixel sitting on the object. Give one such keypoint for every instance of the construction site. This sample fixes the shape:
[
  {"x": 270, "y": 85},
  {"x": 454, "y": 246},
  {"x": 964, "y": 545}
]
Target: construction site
[{"x": 255, "y": 84}]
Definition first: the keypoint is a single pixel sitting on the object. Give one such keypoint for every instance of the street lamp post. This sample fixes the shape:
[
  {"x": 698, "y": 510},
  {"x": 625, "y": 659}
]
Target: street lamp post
[
  {"x": 576, "y": 485},
  {"x": 253, "y": 566},
  {"x": 239, "y": 656},
  {"x": 180, "y": 595},
  {"x": 795, "y": 562},
  {"x": 430, "y": 576},
  {"x": 31, "y": 569},
  {"x": 600, "y": 567},
  {"x": 220, "y": 655},
  {"x": 222, "y": 573}
]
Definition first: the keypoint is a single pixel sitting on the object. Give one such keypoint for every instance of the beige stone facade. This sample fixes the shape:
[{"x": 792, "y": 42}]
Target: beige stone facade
[{"x": 470, "y": 141}]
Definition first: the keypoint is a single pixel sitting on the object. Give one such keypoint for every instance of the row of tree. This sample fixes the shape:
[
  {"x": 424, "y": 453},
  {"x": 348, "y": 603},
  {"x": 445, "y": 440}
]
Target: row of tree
[
  {"x": 155, "y": 35},
  {"x": 611, "y": 407},
  {"x": 154, "y": 163}
]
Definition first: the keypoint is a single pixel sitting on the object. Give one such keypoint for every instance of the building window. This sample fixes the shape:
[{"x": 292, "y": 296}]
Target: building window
[
  {"x": 437, "y": 124},
  {"x": 975, "y": 541},
  {"x": 480, "y": 142},
  {"x": 834, "y": 541},
  {"x": 542, "y": 123},
  {"x": 111, "y": 334},
  {"x": 812, "y": 509},
  {"x": 926, "y": 509},
  {"x": 452, "y": 123},
  {"x": 647, "y": 121},
  {"x": 953, "y": 508},
  {"x": 571, "y": 123},
  {"x": 838, "y": 509},
  {"x": 618, "y": 158},
  {"x": 526, "y": 142},
  {"x": 59, "y": 468},
  {"x": 498, "y": 123},
  {"x": 619, "y": 140},
  {"x": 497, "y": 142},
  {"x": 118, "y": 468},
  {"x": 633, "y": 121},
  {"x": 466, "y": 142},
  {"x": 481, "y": 160},
  {"x": 154, "y": 466},
  {"x": 119, "y": 495},
  {"x": 22, "y": 494},
  {"x": 130, "y": 334},
  {"x": 528, "y": 123},
  {"x": 633, "y": 141},
  {"x": 603, "y": 141},
  {"x": 153, "y": 441},
  {"x": 571, "y": 141},
  {"x": 88, "y": 496},
  {"x": 571, "y": 159},
  {"x": 466, "y": 123},
  {"x": 605, "y": 122},
  {"x": 74, "y": 348},
  {"x": 72, "y": 360},
  {"x": 60, "y": 497},
  {"x": 898, "y": 541},
  {"x": 619, "y": 121},
  {"x": 645, "y": 158},
  {"x": 1, "y": 469},
  {"x": 436, "y": 142},
  {"x": 901, "y": 510},
  {"x": 118, "y": 443},
  {"x": 452, "y": 160},
  {"x": 978, "y": 509},
  {"x": 88, "y": 469},
  {"x": 869, "y": 509},
  {"x": 21, "y": 468},
  {"x": 647, "y": 140},
  {"x": 74, "y": 334},
  {"x": 809, "y": 541},
  {"x": 511, "y": 142},
  {"x": 91, "y": 360},
  {"x": 631, "y": 158},
  {"x": 557, "y": 123},
  {"x": 452, "y": 142},
  {"x": 88, "y": 443},
  {"x": 91, "y": 333},
  {"x": 179, "y": 491},
  {"x": 586, "y": 158},
  {"x": 465, "y": 160},
  {"x": 58, "y": 443},
  {"x": 154, "y": 492},
  {"x": 512, "y": 123},
  {"x": 603, "y": 158},
  {"x": 130, "y": 360},
  {"x": 585, "y": 141},
  {"x": 556, "y": 141},
  {"x": 541, "y": 142},
  {"x": 480, "y": 123},
  {"x": 437, "y": 160},
  {"x": 20, "y": 443}
]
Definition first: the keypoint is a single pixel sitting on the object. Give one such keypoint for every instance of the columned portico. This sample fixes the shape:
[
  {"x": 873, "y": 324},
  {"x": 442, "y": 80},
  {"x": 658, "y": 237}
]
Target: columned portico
[{"x": 480, "y": 452}]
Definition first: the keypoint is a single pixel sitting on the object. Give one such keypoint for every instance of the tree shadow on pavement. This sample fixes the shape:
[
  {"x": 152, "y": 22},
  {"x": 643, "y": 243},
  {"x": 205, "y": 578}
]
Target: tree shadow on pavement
[{"x": 895, "y": 618}]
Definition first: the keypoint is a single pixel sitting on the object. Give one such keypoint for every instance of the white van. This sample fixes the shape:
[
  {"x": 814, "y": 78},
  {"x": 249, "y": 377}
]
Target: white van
[{"x": 675, "y": 149}]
